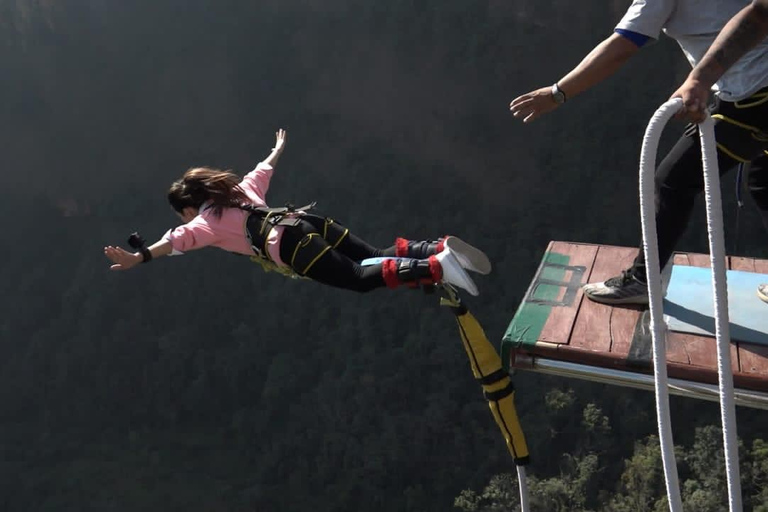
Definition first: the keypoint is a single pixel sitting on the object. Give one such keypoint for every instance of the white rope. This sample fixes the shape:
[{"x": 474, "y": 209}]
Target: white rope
[
  {"x": 722, "y": 331},
  {"x": 655, "y": 296},
  {"x": 653, "y": 273},
  {"x": 523, "y": 483}
]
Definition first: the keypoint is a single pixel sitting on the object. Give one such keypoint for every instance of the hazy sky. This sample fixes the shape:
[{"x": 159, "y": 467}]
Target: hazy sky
[{"x": 109, "y": 96}]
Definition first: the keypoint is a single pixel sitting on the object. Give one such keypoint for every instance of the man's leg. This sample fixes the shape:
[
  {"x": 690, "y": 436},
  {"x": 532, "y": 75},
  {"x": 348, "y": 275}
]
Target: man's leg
[
  {"x": 679, "y": 179},
  {"x": 757, "y": 182}
]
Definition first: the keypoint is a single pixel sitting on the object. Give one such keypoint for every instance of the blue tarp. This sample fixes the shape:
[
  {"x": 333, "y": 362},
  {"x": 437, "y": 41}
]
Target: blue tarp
[{"x": 689, "y": 304}]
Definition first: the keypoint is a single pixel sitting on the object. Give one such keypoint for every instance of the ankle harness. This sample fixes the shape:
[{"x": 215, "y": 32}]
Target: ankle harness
[{"x": 415, "y": 273}]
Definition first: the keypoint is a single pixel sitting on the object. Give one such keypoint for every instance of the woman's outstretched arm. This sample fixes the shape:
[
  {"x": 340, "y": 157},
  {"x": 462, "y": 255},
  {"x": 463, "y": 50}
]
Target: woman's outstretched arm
[
  {"x": 256, "y": 182},
  {"x": 124, "y": 260},
  {"x": 280, "y": 139}
]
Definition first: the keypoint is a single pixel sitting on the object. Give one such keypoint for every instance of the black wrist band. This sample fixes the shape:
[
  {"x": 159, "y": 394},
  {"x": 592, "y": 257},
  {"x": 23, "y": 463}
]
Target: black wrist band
[{"x": 146, "y": 255}]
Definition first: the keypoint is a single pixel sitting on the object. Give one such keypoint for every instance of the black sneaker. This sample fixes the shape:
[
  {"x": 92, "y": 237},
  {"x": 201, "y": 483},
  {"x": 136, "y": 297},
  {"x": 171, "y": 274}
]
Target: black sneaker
[{"x": 623, "y": 289}]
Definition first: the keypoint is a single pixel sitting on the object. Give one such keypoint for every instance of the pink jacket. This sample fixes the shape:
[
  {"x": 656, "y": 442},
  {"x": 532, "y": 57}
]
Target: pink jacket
[{"x": 228, "y": 232}]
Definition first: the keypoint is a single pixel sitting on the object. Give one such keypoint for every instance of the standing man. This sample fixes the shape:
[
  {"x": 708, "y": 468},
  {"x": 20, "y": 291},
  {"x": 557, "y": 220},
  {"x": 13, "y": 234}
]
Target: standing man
[
  {"x": 742, "y": 33},
  {"x": 741, "y": 107}
]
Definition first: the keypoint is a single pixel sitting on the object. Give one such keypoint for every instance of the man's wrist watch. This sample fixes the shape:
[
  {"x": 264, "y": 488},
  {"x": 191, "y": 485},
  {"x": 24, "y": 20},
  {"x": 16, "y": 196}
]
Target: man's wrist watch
[{"x": 557, "y": 94}]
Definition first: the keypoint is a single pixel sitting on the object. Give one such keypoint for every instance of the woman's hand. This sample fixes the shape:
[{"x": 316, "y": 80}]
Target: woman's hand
[
  {"x": 280, "y": 139},
  {"x": 533, "y": 104},
  {"x": 122, "y": 259}
]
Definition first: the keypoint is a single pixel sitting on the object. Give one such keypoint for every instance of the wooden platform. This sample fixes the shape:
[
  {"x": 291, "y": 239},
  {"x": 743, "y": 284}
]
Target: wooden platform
[{"x": 557, "y": 323}]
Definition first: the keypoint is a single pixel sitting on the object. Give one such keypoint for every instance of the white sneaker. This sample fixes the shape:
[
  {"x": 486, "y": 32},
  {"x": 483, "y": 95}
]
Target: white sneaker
[
  {"x": 762, "y": 292},
  {"x": 470, "y": 257},
  {"x": 454, "y": 274}
]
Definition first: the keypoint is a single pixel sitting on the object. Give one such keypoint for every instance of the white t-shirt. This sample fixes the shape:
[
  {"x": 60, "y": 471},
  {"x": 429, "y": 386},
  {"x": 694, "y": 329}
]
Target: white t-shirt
[{"x": 695, "y": 24}]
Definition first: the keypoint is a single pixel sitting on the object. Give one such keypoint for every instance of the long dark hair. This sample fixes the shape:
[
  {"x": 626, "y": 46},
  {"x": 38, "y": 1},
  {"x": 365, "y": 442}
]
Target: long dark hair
[{"x": 201, "y": 184}]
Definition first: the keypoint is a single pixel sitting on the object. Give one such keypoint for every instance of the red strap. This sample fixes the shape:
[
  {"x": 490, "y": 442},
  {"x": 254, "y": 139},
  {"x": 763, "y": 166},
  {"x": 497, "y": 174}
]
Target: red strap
[
  {"x": 401, "y": 247},
  {"x": 389, "y": 273},
  {"x": 435, "y": 269}
]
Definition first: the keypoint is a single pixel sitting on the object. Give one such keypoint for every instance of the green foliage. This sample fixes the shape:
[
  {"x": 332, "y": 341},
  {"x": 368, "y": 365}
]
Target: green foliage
[
  {"x": 756, "y": 475},
  {"x": 497, "y": 496},
  {"x": 201, "y": 383},
  {"x": 706, "y": 488},
  {"x": 642, "y": 481},
  {"x": 584, "y": 484}
]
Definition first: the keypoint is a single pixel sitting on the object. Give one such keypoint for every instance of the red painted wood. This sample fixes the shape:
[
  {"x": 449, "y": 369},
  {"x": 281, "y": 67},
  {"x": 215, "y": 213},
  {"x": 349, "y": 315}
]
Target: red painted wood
[
  {"x": 595, "y": 327},
  {"x": 559, "y": 324},
  {"x": 598, "y": 335}
]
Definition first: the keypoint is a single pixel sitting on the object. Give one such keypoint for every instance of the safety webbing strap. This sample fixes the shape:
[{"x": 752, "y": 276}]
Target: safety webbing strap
[
  {"x": 495, "y": 396},
  {"x": 289, "y": 208},
  {"x": 494, "y": 377},
  {"x": 306, "y": 253}
]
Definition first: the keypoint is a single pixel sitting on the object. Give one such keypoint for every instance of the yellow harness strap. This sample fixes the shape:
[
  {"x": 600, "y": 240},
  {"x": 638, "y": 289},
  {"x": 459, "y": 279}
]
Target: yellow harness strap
[
  {"x": 270, "y": 266},
  {"x": 755, "y": 132}
]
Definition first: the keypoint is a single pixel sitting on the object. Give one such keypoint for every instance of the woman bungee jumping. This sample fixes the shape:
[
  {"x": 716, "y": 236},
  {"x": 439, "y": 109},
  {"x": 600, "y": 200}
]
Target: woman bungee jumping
[{"x": 220, "y": 210}]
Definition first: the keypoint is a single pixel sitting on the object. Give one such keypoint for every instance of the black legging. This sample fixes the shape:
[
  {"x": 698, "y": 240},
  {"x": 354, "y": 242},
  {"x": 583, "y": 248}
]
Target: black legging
[
  {"x": 338, "y": 267},
  {"x": 679, "y": 178}
]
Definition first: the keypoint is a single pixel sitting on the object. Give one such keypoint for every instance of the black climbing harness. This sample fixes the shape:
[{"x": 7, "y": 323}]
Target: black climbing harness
[
  {"x": 262, "y": 219},
  {"x": 307, "y": 251}
]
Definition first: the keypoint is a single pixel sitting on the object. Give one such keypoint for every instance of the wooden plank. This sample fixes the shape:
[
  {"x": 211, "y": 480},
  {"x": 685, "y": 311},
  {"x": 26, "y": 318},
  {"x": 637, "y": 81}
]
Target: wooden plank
[
  {"x": 691, "y": 350},
  {"x": 761, "y": 266},
  {"x": 742, "y": 263},
  {"x": 753, "y": 359},
  {"x": 691, "y": 259},
  {"x": 601, "y": 335},
  {"x": 595, "y": 327},
  {"x": 559, "y": 324},
  {"x": 623, "y": 322}
]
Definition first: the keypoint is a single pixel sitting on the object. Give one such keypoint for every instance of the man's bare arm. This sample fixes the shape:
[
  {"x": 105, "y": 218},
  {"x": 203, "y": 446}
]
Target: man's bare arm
[{"x": 743, "y": 32}]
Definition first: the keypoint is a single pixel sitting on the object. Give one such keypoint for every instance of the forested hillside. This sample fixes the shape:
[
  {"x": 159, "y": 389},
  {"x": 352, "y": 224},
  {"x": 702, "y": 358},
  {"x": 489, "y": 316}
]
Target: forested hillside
[{"x": 201, "y": 383}]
